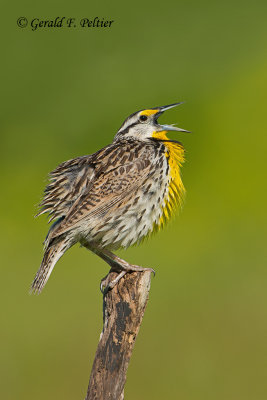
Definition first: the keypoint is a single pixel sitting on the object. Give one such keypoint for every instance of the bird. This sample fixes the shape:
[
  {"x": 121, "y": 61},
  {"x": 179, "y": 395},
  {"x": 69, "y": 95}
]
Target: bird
[{"x": 115, "y": 197}]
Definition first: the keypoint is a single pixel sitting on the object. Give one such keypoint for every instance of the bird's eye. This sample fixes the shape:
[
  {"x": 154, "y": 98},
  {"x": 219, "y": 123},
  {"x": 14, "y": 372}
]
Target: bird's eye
[{"x": 143, "y": 118}]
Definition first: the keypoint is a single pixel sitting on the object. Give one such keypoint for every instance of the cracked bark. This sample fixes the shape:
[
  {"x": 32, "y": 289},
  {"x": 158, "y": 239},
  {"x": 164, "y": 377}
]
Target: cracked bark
[{"x": 123, "y": 311}]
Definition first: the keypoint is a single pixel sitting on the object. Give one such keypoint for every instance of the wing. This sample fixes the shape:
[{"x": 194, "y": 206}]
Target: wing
[
  {"x": 122, "y": 172},
  {"x": 67, "y": 183}
]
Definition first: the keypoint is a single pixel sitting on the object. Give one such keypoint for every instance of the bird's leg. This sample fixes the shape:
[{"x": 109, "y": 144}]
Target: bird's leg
[
  {"x": 122, "y": 264},
  {"x": 119, "y": 265}
]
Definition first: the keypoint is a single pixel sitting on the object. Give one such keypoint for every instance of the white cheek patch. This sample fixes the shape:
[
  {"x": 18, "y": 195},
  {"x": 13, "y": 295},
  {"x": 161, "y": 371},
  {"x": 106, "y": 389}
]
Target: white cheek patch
[{"x": 141, "y": 131}]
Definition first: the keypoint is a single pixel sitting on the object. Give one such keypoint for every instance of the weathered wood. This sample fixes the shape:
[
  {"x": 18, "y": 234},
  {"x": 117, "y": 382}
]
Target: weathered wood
[{"x": 123, "y": 310}]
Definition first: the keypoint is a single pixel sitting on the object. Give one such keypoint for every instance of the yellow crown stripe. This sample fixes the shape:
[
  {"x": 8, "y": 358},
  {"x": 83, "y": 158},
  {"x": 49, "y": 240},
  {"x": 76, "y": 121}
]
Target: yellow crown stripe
[{"x": 149, "y": 112}]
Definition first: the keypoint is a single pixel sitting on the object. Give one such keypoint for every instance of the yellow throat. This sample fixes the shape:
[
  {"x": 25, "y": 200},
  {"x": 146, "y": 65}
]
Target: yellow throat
[{"x": 175, "y": 156}]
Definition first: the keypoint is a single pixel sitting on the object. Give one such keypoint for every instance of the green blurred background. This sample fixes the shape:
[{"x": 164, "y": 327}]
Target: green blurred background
[{"x": 64, "y": 93}]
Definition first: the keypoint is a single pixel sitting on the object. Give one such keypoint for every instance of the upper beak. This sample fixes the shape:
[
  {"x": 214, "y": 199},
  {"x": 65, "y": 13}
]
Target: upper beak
[{"x": 169, "y": 127}]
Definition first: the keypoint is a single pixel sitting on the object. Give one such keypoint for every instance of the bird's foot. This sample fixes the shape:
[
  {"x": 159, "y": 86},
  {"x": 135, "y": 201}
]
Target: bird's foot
[
  {"x": 136, "y": 268},
  {"x": 106, "y": 284}
]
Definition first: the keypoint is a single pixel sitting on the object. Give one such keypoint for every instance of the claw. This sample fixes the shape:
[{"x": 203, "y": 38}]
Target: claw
[
  {"x": 104, "y": 284},
  {"x": 152, "y": 270}
]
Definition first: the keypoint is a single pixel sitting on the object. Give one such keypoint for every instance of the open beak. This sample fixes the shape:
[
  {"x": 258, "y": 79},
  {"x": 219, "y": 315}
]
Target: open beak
[{"x": 168, "y": 127}]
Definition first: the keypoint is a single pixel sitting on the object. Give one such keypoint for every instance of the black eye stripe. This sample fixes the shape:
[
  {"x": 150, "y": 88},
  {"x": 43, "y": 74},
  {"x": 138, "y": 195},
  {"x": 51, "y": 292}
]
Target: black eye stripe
[{"x": 126, "y": 130}]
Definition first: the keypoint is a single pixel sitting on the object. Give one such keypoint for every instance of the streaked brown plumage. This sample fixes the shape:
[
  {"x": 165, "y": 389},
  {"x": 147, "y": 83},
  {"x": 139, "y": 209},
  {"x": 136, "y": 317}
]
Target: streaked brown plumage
[{"x": 115, "y": 197}]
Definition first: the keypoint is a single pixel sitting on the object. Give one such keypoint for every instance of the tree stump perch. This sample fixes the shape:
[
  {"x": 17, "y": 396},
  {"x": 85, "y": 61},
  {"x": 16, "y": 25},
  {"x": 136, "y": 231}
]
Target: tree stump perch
[{"x": 123, "y": 311}]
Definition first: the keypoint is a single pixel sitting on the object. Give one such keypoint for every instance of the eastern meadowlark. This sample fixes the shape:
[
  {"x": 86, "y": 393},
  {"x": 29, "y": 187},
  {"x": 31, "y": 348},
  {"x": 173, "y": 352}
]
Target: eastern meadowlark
[{"x": 116, "y": 196}]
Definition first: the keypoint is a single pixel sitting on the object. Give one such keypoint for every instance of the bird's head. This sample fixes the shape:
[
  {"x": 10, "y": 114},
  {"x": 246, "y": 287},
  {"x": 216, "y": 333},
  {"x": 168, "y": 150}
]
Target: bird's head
[{"x": 143, "y": 125}]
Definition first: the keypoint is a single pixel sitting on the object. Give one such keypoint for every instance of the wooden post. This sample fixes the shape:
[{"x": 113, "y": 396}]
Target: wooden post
[{"x": 123, "y": 310}]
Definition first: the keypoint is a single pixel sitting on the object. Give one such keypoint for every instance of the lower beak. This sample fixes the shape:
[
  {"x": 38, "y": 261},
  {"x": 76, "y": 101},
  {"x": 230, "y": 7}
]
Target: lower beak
[
  {"x": 169, "y": 127},
  {"x": 173, "y": 128}
]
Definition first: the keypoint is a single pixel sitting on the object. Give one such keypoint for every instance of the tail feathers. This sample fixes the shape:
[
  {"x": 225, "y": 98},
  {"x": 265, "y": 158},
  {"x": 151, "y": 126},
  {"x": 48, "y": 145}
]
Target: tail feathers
[{"x": 51, "y": 256}]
